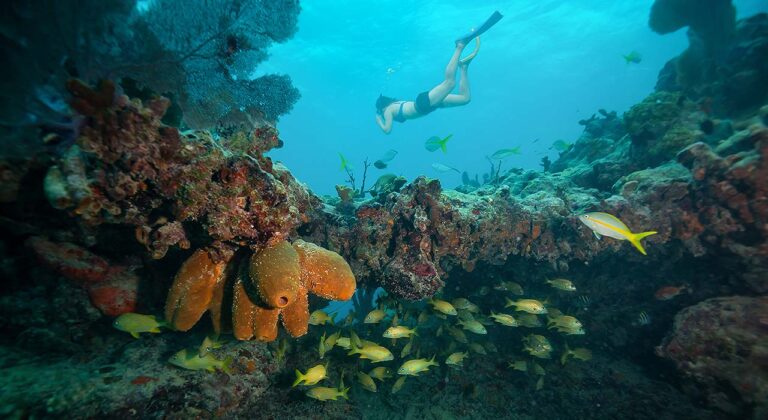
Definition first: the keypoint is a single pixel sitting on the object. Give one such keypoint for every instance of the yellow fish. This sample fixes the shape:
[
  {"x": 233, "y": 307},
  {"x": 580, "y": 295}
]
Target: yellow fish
[
  {"x": 314, "y": 375},
  {"x": 532, "y": 306},
  {"x": 434, "y": 143},
  {"x": 407, "y": 348},
  {"x": 564, "y": 321},
  {"x": 354, "y": 339},
  {"x": 473, "y": 326},
  {"x": 134, "y": 324},
  {"x": 473, "y": 308},
  {"x": 528, "y": 320},
  {"x": 609, "y": 225},
  {"x": 579, "y": 353},
  {"x": 282, "y": 349},
  {"x": 395, "y": 320},
  {"x": 562, "y": 284},
  {"x": 537, "y": 369},
  {"x": 408, "y": 315},
  {"x": 366, "y": 381},
  {"x": 320, "y": 317},
  {"x": 571, "y": 330},
  {"x": 415, "y": 366},
  {"x": 374, "y": 352},
  {"x": 458, "y": 335},
  {"x": 504, "y": 319},
  {"x": 509, "y": 286},
  {"x": 375, "y": 316},
  {"x": 381, "y": 373},
  {"x": 477, "y": 348},
  {"x": 456, "y": 359},
  {"x": 442, "y": 307},
  {"x": 537, "y": 346},
  {"x": 344, "y": 343},
  {"x": 209, "y": 344},
  {"x": 345, "y": 166},
  {"x": 461, "y": 303},
  {"x": 520, "y": 365},
  {"x": 190, "y": 359},
  {"x": 331, "y": 340},
  {"x": 465, "y": 315},
  {"x": 553, "y": 312},
  {"x": 323, "y": 393},
  {"x": 321, "y": 348},
  {"x": 398, "y": 384},
  {"x": 399, "y": 332},
  {"x": 423, "y": 318}
]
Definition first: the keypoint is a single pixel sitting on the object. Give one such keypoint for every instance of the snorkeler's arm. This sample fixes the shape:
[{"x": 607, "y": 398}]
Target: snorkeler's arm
[{"x": 385, "y": 122}]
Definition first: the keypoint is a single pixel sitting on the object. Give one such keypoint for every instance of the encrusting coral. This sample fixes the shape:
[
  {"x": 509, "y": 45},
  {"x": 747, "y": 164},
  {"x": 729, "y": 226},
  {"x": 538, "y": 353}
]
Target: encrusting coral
[{"x": 275, "y": 285}]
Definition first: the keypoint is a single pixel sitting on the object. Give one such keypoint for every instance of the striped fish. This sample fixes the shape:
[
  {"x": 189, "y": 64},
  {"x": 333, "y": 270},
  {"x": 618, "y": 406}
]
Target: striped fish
[{"x": 608, "y": 225}]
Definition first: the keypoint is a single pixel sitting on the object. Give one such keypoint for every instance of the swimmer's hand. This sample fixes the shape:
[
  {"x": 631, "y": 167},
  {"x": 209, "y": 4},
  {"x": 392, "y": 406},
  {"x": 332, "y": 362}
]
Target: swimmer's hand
[{"x": 383, "y": 124}]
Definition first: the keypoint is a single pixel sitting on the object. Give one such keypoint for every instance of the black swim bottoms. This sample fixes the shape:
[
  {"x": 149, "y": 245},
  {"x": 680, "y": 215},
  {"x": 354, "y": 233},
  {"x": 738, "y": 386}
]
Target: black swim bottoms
[{"x": 423, "y": 106}]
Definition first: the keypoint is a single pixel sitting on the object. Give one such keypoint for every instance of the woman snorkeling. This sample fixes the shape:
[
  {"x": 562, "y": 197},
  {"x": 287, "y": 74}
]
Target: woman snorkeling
[{"x": 440, "y": 96}]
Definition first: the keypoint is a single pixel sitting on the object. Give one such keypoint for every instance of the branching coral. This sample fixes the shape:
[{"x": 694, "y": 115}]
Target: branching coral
[{"x": 275, "y": 284}]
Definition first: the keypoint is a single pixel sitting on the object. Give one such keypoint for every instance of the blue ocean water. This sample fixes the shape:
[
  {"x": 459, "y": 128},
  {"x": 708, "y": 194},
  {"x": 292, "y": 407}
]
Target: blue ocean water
[{"x": 546, "y": 65}]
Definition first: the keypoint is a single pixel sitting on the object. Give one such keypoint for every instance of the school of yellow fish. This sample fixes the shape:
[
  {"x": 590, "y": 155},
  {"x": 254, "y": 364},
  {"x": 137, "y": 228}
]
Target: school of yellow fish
[{"x": 393, "y": 330}]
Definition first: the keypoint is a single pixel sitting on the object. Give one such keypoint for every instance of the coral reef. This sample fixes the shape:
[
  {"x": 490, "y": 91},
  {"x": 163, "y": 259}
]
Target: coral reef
[
  {"x": 721, "y": 343},
  {"x": 124, "y": 212},
  {"x": 155, "y": 178},
  {"x": 661, "y": 125},
  {"x": 276, "y": 284},
  {"x": 600, "y": 156}
]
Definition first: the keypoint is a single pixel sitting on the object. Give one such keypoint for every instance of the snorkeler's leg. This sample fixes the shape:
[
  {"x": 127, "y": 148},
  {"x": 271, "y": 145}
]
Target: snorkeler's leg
[
  {"x": 464, "y": 95},
  {"x": 439, "y": 92}
]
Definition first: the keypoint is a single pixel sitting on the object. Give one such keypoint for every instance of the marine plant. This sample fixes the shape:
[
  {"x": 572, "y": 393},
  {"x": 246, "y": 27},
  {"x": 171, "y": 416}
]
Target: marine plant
[{"x": 351, "y": 178}]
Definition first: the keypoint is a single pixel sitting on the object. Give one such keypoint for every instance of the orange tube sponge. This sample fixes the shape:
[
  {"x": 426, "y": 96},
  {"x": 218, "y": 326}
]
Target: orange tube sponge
[
  {"x": 265, "y": 323},
  {"x": 325, "y": 272},
  {"x": 274, "y": 283},
  {"x": 275, "y": 272},
  {"x": 192, "y": 290},
  {"x": 250, "y": 320},
  {"x": 296, "y": 316},
  {"x": 215, "y": 306}
]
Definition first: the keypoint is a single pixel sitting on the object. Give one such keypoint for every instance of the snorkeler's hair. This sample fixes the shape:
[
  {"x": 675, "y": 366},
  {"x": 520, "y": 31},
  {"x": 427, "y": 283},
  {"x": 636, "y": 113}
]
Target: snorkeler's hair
[{"x": 382, "y": 103}]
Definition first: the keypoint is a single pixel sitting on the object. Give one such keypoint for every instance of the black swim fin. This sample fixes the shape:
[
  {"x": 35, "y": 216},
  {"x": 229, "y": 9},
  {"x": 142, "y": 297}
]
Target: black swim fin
[{"x": 495, "y": 17}]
